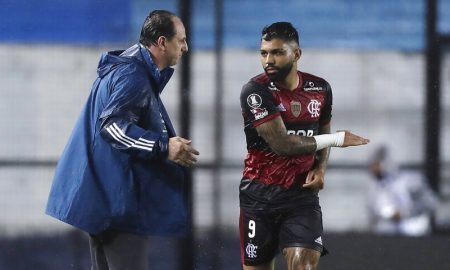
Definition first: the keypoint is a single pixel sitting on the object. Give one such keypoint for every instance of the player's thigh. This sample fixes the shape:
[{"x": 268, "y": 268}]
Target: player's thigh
[
  {"x": 258, "y": 238},
  {"x": 302, "y": 227},
  {"x": 266, "y": 266},
  {"x": 299, "y": 258}
]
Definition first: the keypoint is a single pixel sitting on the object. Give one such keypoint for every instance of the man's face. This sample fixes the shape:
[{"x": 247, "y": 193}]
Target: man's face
[
  {"x": 277, "y": 58},
  {"x": 376, "y": 168},
  {"x": 177, "y": 45}
]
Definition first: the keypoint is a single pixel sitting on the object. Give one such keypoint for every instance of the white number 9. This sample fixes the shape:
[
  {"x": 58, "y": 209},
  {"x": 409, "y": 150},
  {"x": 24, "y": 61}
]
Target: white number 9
[{"x": 252, "y": 227}]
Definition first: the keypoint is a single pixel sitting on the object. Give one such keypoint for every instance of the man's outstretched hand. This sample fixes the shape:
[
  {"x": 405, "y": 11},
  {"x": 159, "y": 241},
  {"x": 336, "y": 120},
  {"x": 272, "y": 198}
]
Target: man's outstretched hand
[
  {"x": 181, "y": 151},
  {"x": 353, "y": 139}
]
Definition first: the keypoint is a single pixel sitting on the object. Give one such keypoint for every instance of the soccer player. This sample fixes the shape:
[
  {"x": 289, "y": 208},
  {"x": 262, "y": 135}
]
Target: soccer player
[
  {"x": 121, "y": 175},
  {"x": 287, "y": 119}
]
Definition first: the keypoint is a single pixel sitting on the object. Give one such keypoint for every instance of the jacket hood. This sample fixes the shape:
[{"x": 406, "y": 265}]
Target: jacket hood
[
  {"x": 109, "y": 61},
  {"x": 136, "y": 54}
]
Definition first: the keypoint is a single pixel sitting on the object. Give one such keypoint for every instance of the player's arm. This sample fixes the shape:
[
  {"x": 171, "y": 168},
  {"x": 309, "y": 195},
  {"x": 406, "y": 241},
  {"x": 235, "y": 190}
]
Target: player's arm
[
  {"x": 120, "y": 124},
  {"x": 121, "y": 114},
  {"x": 322, "y": 155},
  {"x": 275, "y": 134},
  {"x": 316, "y": 177}
]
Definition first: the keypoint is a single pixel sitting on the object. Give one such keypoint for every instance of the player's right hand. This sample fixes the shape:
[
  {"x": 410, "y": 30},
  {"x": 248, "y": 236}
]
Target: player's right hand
[
  {"x": 181, "y": 151},
  {"x": 353, "y": 139}
]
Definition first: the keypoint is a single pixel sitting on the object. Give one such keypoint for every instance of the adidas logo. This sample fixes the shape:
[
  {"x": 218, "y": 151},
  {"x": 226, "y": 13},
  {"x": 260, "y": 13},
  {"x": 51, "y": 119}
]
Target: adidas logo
[
  {"x": 318, "y": 240},
  {"x": 281, "y": 108}
]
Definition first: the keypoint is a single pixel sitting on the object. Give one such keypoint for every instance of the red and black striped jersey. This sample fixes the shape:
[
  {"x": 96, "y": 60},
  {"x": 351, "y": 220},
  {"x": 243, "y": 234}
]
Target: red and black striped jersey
[{"x": 302, "y": 110}]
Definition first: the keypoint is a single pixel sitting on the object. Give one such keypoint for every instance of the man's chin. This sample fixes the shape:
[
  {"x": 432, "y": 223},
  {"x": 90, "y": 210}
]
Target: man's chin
[{"x": 273, "y": 77}]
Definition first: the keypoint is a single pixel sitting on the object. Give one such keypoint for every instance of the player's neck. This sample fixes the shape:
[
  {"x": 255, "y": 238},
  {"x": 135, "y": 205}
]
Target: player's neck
[
  {"x": 157, "y": 57},
  {"x": 291, "y": 81}
]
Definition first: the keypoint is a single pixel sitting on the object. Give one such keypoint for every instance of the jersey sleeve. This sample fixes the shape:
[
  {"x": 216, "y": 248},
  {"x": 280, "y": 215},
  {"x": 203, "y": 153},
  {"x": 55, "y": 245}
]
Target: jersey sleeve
[
  {"x": 121, "y": 116},
  {"x": 325, "y": 116},
  {"x": 257, "y": 104}
]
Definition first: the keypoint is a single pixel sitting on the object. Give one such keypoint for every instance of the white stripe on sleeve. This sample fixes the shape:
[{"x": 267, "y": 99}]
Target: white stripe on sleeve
[{"x": 121, "y": 137}]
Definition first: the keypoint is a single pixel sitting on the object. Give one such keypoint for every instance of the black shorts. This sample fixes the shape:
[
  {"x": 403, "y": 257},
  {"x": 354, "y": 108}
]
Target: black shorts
[{"x": 264, "y": 232}]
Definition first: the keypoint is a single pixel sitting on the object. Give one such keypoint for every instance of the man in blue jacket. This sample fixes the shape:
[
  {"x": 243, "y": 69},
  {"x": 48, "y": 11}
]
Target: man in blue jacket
[{"x": 121, "y": 175}]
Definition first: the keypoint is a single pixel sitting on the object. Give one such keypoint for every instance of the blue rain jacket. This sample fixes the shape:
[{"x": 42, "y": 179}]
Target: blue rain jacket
[{"x": 114, "y": 172}]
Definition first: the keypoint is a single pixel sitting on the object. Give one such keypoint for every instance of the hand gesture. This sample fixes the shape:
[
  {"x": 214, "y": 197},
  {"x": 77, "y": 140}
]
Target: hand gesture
[
  {"x": 181, "y": 151},
  {"x": 353, "y": 139}
]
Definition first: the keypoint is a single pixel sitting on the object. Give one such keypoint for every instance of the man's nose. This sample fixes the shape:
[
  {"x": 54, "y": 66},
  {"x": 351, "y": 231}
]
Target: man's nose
[
  {"x": 269, "y": 59},
  {"x": 185, "y": 47}
]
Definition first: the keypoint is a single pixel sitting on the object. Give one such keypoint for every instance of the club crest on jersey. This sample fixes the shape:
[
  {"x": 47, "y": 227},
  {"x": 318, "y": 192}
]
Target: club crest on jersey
[
  {"x": 311, "y": 87},
  {"x": 251, "y": 250},
  {"x": 296, "y": 108},
  {"x": 254, "y": 100},
  {"x": 314, "y": 108}
]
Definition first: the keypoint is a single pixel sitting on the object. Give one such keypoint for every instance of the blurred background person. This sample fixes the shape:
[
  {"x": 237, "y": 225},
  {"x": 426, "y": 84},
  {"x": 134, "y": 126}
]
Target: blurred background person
[{"x": 399, "y": 201}]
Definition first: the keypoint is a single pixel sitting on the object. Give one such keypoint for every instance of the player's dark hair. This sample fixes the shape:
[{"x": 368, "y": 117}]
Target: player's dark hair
[
  {"x": 282, "y": 30},
  {"x": 158, "y": 23}
]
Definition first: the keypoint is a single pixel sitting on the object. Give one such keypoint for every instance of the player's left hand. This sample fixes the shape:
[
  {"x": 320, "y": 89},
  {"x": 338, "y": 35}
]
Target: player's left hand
[{"x": 315, "y": 179}]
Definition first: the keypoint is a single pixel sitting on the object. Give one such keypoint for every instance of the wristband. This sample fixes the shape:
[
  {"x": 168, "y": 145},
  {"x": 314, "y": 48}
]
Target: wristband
[{"x": 329, "y": 140}]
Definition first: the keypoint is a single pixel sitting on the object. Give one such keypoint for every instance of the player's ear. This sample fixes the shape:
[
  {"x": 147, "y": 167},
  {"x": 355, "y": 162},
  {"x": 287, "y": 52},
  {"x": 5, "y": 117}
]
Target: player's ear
[
  {"x": 162, "y": 42},
  {"x": 297, "y": 54}
]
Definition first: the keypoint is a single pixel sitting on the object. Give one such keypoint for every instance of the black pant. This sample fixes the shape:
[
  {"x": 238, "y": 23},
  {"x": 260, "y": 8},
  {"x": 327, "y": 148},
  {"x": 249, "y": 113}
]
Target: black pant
[{"x": 114, "y": 250}]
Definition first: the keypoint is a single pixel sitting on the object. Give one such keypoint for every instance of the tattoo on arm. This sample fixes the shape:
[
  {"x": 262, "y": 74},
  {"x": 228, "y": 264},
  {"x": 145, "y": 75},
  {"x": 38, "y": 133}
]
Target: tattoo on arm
[
  {"x": 322, "y": 155},
  {"x": 275, "y": 134}
]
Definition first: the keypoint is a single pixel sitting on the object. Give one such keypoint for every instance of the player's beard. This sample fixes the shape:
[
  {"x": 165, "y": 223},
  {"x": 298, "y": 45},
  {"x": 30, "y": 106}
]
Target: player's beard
[{"x": 281, "y": 74}]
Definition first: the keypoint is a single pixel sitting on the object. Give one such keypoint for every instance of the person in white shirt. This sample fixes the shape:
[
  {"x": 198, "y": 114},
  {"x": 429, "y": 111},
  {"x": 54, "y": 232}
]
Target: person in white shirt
[{"x": 400, "y": 201}]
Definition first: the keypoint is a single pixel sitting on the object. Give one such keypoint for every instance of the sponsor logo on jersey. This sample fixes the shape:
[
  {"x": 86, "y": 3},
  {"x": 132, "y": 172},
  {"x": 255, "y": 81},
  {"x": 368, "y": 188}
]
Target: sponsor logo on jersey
[
  {"x": 273, "y": 87},
  {"x": 318, "y": 240},
  {"x": 311, "y": 87},
  {"x": 251, "y": 250},
  {"x": 296, "y": 108},
  {"x": 281, "y": 108},
  {"x": 314, "y": 108},
  {"x": 260, "y": 113},
  {"x": 257, "y": 110},
  {"x": 301, "y": 132},
  {"x": 254, "y": 100}
]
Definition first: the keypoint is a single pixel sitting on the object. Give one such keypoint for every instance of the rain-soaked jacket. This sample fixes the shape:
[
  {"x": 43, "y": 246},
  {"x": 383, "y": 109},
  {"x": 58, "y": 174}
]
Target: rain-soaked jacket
[{"x": 114, "y": 172}]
